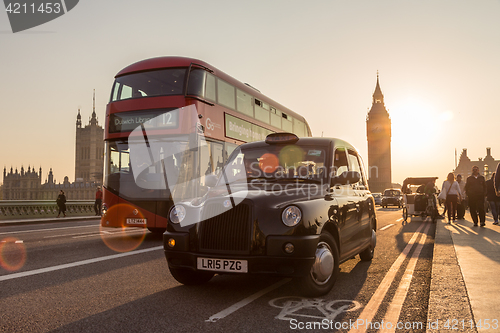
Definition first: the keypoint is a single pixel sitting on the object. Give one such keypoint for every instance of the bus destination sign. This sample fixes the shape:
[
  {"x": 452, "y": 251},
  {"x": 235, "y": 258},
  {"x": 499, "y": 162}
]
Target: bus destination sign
[{"x": 151, "y": 119}]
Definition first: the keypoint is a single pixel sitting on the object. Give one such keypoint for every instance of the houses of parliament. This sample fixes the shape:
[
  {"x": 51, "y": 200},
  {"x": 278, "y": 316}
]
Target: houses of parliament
[{"x": 89, "y": 163}]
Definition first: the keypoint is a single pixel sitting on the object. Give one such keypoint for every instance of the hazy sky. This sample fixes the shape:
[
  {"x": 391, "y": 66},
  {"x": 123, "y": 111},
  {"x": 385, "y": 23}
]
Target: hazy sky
[{"x": 439, "y": 65}]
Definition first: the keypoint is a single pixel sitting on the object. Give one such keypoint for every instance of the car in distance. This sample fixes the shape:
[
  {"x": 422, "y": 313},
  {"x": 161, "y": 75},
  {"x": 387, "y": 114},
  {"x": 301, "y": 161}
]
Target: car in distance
[
  {"x": 286, "y": 206},
  {"x": 392, "y": 197},
  {"x": 378, "y": 198}
]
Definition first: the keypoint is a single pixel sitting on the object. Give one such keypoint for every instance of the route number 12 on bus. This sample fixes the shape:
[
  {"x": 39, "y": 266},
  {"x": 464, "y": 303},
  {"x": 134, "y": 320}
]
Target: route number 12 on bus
[{"x": 170, "y": 122}]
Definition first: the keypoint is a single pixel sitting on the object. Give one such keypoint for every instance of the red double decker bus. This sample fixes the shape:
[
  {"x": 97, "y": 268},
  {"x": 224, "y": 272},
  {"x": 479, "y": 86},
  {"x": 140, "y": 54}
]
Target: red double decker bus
[{"x": 158, "y": 108}]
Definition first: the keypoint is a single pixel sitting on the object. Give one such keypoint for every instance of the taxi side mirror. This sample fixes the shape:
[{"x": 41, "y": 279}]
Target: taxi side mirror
[
  {"x": 346, "y": 177},
  {"x": 211, "y": 180}
]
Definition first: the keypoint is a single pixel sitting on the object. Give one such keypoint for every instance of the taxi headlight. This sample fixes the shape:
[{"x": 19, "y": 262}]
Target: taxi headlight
[
  {"x": 177, "y": 214},
  {"x": 291, "y": 216}
]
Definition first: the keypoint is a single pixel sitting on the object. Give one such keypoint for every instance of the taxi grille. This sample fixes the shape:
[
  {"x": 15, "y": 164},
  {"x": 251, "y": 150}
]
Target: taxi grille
[{"x": 228, "y": 232}]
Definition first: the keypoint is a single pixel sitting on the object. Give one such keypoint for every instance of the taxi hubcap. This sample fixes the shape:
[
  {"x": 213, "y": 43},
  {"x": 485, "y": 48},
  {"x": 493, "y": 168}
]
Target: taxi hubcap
[{"x": 322, "y": 269}]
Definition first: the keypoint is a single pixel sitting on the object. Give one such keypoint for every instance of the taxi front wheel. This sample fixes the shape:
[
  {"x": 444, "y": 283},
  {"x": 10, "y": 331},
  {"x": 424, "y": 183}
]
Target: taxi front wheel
[
  {"x": 325, "y": 269},
  {"x": 190, "y": 277}
]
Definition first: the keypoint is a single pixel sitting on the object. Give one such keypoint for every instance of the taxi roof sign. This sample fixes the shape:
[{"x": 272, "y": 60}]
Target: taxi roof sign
[{"x": 281, "y": 138}]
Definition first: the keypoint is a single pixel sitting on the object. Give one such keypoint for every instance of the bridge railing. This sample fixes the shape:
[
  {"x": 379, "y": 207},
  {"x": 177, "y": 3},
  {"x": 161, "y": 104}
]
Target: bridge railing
[{"x": 19, "y": 209}]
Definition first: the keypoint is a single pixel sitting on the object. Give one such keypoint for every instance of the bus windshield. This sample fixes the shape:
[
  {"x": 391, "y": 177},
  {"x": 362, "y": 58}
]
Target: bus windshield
[
  {"x": 130, "y": 171},
  {"x": 163, "y": 82}
]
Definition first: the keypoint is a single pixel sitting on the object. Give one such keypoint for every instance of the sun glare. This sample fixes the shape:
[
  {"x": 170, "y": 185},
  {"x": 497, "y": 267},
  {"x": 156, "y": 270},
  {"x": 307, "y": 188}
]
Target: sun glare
[{"x": 417, "y": 126}]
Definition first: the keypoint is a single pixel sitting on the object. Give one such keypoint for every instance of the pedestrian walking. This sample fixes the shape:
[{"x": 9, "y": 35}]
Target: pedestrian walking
[
  {"x": 462, "y": 203},
  {"x": 475, "y": 188},
  {"x": 493, "y": 199},
  {"x": 496, "y": 181},
  {"x": 452, "y": 190},
  {"x": 98, "y": 201},
  {"x": 61, "y": 203}
]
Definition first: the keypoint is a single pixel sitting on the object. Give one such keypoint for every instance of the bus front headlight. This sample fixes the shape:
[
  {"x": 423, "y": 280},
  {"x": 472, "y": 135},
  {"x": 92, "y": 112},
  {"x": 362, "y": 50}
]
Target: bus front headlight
[
  {"x": 177, "y": 214},
  {"x": 291, "y": 216},
  {"x": 104, "y": 209}
]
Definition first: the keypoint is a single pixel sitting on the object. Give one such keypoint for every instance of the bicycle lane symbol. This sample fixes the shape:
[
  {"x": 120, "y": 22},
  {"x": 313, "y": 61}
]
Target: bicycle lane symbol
[{"x": 293, "y": 306}]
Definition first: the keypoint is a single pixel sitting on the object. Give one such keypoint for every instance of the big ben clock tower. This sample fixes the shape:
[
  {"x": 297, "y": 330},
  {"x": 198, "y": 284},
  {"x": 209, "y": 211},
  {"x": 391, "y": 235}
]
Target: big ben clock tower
[{"x": 378, "y": 132}]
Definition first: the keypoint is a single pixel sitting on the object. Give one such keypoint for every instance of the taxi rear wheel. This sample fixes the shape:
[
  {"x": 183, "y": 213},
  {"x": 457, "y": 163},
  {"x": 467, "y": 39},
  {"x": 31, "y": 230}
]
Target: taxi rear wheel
[
  {"x": 190, "y": 277},
  {"x": 325, "y": 269},
  {"x": 367, "y": 254}
]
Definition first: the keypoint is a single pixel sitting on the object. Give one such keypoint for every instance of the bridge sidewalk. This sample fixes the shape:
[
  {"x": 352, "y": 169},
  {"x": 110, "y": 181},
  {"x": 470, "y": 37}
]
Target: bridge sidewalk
[
  {"x": 465, "y": 291},
  {"x": 47, "y": 220}
]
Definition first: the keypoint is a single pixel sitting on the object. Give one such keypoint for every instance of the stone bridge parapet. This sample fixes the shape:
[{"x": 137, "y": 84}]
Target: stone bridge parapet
[{"x": 19, "y": 209}]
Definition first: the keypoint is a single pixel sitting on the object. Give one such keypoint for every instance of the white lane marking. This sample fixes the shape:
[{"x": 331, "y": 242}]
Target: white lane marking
[
  {"x": 110, "y": 233},
  {"x": 399, "y": 220},
  {"x": 235, "y": 307},
  {"x": 372, "y": 307},
  {"x": 19, "y": 242},
  {"x": 42, "y": 230},
  {"x": 75, "y": 264},
  {"x": 386, "y": 227},
  {"x": 66, "y": 235},
  {"x": 396, "y": 304},
  {"x": 92, "y": 233}
]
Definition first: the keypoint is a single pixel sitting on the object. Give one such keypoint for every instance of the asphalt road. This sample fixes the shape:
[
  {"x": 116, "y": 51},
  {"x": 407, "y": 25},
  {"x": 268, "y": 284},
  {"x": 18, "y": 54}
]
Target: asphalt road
[{"x": 76, "y": 277}]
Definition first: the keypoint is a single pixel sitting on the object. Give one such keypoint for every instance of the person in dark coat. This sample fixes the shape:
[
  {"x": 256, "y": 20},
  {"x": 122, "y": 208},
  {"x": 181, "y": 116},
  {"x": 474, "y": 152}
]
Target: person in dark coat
[
  {"x": 61, "y": 203},
  {"x": 493, "y": 199},
  {"x": 462, "y": 204},
  {"x": 475, "y": 188},
  {"x": 496, "y": 181}
]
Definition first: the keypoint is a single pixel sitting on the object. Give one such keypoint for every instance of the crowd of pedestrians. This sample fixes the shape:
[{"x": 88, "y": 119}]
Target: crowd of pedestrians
[{"x": 473, "y": 193}]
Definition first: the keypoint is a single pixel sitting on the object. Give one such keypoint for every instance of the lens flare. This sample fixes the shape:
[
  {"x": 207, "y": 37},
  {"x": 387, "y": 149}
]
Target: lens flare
[
  {"x": 269, "y": 163},
  {"x": 12, "y": 254},
  {"x": 291, "y": 155},
  {"x": 125, "y": 238}
]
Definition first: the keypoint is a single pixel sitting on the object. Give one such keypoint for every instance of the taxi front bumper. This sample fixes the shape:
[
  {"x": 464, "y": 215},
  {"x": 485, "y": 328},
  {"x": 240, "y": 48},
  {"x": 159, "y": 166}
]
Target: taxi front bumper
[{"x": 275, "y": 261}]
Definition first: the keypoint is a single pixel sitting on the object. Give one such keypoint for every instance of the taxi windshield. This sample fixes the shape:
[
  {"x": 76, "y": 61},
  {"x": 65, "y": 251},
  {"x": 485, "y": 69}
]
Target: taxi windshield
[{"x": 276, "y": 162}]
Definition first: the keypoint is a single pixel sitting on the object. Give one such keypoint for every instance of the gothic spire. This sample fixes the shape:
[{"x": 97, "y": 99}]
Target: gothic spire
[
  {"x": 93, "y": 120},
  {"x": 79, "y": 119},
  {"x": 378, "y": 97},
  {"x": 378, "y": 107}
]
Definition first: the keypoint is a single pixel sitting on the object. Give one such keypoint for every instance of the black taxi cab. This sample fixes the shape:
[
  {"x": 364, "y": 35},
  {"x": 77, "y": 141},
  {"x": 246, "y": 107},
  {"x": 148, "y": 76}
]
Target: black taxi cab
[
  {"x": 392, "y": 197},
  {"x": 287, "y": 206}
]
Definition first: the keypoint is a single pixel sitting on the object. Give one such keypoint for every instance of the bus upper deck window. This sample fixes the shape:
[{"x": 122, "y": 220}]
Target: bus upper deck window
[
  {"x": 196, "y": 82},
  {"x": 162, "y": 82}
]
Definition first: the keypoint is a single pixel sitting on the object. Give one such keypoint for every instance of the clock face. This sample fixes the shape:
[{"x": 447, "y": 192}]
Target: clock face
[{"x": 376, "y": 127}]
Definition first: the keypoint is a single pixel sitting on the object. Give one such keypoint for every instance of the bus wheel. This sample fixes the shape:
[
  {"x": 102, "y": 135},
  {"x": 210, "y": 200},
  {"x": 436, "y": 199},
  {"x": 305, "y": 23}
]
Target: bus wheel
[
  {"x": 190, "y": 277},
  {"x": 157, "y": 231},
  {"x": 324, "y": 270}
]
